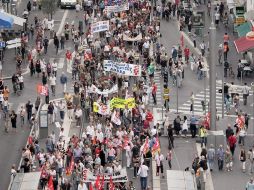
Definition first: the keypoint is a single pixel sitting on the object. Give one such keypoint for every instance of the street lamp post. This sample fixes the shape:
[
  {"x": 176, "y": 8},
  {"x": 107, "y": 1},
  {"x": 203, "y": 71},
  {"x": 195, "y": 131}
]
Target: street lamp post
[
  {"x": 252, "y": 87},
  {"x": 212, "y": 60}
]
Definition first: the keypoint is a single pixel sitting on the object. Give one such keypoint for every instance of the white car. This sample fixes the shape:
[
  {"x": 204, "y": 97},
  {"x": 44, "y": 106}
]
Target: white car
[{"x": 68, "y": 3}]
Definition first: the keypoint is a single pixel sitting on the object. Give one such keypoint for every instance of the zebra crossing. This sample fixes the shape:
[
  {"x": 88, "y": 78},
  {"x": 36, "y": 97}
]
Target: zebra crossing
[
  {"x": 199, "y": 97},
  {"x": 157, "y": 80}
]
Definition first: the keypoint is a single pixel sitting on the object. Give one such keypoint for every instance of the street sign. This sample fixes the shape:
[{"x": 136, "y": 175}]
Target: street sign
[
  {"x": 166, "y": 94},
  {"x": 2, "y": 44}
]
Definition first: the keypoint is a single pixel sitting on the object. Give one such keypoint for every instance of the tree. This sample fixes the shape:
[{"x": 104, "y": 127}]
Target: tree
[{"x": 49, "y": 7}]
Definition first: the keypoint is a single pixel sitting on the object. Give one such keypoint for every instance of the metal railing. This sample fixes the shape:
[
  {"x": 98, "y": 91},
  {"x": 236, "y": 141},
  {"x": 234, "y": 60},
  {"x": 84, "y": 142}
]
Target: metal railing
[{"x": 35, "y": 129}]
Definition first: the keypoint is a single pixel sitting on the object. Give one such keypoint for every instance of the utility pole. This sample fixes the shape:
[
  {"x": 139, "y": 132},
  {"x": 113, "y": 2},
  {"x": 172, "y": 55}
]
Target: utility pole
[
  {"x": 223, "y": 95},
  {"x": 212, "y": 65}
]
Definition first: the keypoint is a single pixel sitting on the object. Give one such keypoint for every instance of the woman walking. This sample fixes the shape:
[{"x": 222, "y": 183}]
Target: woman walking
[
  {"x": 242, "y": 158},
  {"x": 13, "y": 117}
]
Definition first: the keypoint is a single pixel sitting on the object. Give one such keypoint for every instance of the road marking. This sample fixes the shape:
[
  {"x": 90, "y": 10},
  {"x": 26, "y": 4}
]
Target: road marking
[{"x": 60, "y": 63}]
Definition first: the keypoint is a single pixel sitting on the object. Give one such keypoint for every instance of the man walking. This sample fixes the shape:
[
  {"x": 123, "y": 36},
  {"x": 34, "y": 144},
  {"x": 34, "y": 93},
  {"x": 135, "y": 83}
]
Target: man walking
[
  {"x": 45, "y": 44},
  {"x": 29, "y": 109},
  {"x": 154, "y": 91},
  {"x": 63, "y": 80},
  {"x": 220, "y": 156},
  {"x": 211, "y": 157},
  {"x": 52, "y": 83},
  {"x": 143, "y": 173},
  {"x": 245, "y": 92}
]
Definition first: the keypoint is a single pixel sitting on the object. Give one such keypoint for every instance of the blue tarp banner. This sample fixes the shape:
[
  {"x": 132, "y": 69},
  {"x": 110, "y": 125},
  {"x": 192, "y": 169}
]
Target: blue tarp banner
[{"x": 5, "y": 21}]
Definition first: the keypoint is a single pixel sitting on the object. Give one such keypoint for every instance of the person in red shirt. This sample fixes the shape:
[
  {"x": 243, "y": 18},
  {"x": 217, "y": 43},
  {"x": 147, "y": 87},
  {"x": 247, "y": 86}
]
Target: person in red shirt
[
  {"x": 68, "y": 58},
  {"x": 232, "y": 143},
  {"x": 154, "y": 90},
  {"x": 186, "y": 54}
]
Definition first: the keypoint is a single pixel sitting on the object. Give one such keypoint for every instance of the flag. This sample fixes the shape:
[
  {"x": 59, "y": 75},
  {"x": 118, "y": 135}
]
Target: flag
[
  {"x": 156, "y": 146},
  {"x": 90, "y": 186},
  {"x": 70, "y": 168},
  {"x": 97, "y": 182},
  {"x": 111, "y": 184},
  {"x": 102, "y": 183},
  {"x": 42, "y": 90},
  {"x": 145, "y": 146},
  {"x": 50, "y": 183},
  {"x": 181, "y": 39}
]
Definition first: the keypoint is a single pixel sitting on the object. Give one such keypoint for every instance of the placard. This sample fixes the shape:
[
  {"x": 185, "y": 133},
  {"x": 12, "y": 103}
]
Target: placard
[
  {"x": 117, "y": 8},
  {"x": 100, "y": 26}
]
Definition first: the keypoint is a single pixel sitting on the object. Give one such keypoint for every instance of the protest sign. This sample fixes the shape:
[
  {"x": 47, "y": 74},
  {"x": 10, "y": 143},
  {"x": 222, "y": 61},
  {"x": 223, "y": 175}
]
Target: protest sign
[
  {"x": 101, "y": 108},
  {"x": 89, "y": 176},
  {"x": 94, "y": 89},
  {"x": 100, "y": 26},
  {"x": 88, "y": 56},
  {"x": 122, "y": 68},
  {"x": 130, "y": 39},
  {"x": 42, "y": 90},
  {"x": 122, "y": 103},
  {"x": 117, "y": 8}
]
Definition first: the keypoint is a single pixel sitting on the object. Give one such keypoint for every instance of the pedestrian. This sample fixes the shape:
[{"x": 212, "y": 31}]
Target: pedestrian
[
  {"x": 78, "y": 116},
  {"x": 242, "y": 135},
  {"x": 220, "y": 52},
  {"x": 45, "y": 44},
  {"x": 192, "y": 98},
  {"x": 242, "y": 158},
  {"x": 232, "y": 143},
  {"x": 13, "y": 117},
  {"x": 250, "y": 155},
  {"x": 228, "y": 160},
  {"x": 220, "y": 157},
  {"x": 250, "y": 184},
  {"x": 50, "y": 112},
  {"x": 63, "y": 81},
  {"x": 128, "y": 155},
  {"x": 52, "y": 83},
  {"x": 246, "y": 119},
  {"x": 143, "y": 173},
  {"x": 21, "y": 82},
  {"x": 211, "y": 157},
  {"x": 229, "y": 132},
  {"x": 170, "y": 137},
  {"x": 169, "y": 158},
  {"x": 154, "y": 91},
  {"x": 225, "y": 51},
  {"x": 37, "y": 103},
  {"x": 185, "y": 126},
  {"x": 136, "y": 163},
  {"x": 44, "y": 79},
  {"x": 56, "y": 43},
  {"x": 193, "y": 126},
  {"x": 61, "y": 107},
  {"x": 203, "y": 135},
  {"x": 62, "y": 41},
  {"x": 177, "y": 125},
  {"x": 204, "y": 166},
  {"x": 37, "y": 67},
  {"x": 22, "y": 113},
  {"x": 202, "y": 48},
  {"x": 54, "y": 67},
  {"x": 245, "y": 91},
  {"x": 159, "y": 164},
  {"x": 29, "y": 109}
]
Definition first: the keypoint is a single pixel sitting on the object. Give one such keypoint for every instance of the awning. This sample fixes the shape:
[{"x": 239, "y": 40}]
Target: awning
[
  {"x": 16, "y": 20},
  {"x": 243, "y": 44},
  {"x": 5, "y": 21},
  {"x": 243, "y": 29}
]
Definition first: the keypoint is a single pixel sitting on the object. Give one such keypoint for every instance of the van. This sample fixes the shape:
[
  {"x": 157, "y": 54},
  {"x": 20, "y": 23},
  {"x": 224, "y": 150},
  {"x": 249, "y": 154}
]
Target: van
[{"x": 68, "y": 3}]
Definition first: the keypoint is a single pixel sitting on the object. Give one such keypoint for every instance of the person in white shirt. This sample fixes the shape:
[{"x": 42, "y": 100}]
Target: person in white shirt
[
  {"x": 143, "y": 173},
  {"x": 100, "y": 136},
  {"x": 82, "y": 186},
  {"x": 128, "y": 155},
  {"x": 154, "y": 131},
  {"x": 78, "y": 115},
  {"x": 54, "y": 68},
  {"x": 245, "y": 91},
  {"x": 159, "y": 164},
  {"x": 52, "y": 83},
  {"x": 61, "y": 106},
  {"x": 21, "y": 82}
]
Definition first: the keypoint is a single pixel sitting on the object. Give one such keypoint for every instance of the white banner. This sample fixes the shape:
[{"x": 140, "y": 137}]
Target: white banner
[
  {"x": 122, "y": 68},
  {"x": 117, "y": 8},
  {"x": 100, "y": 26},
  {"x": 88, "y": 176},
  {"x": 130, "y": 39},
  {"x": 95, "y": 89}
]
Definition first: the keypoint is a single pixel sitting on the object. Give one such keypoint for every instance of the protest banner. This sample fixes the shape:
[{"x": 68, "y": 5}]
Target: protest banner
[
  {"x": 89, "y": 176},
  {"x": 130, "y": 39},
  {"x": 42, "y": 90},
  {"x": 101, "y": 108},
  {"x": 117, "y": 8},
  {"x": 94, "y": 89},
  {"x": 122, "y": 103},
  {"x": 100, "y": 26},
  {"x": 122, "y": 68}
]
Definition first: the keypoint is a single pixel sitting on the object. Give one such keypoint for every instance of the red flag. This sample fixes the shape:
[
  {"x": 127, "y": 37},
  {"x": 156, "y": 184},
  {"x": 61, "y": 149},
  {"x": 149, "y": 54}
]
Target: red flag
[
  {"x": 156, "y": 146},
  {"x": 70, "y": 168},
  {"x": 102, "y": 183},
  {"x": 90, "y": 186},
  {"x": 111, "y": 184},
  {"x": 145, "y": 146},
  {"x": 97, "y": 182},
  {"x": 50, "y": 183}
]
